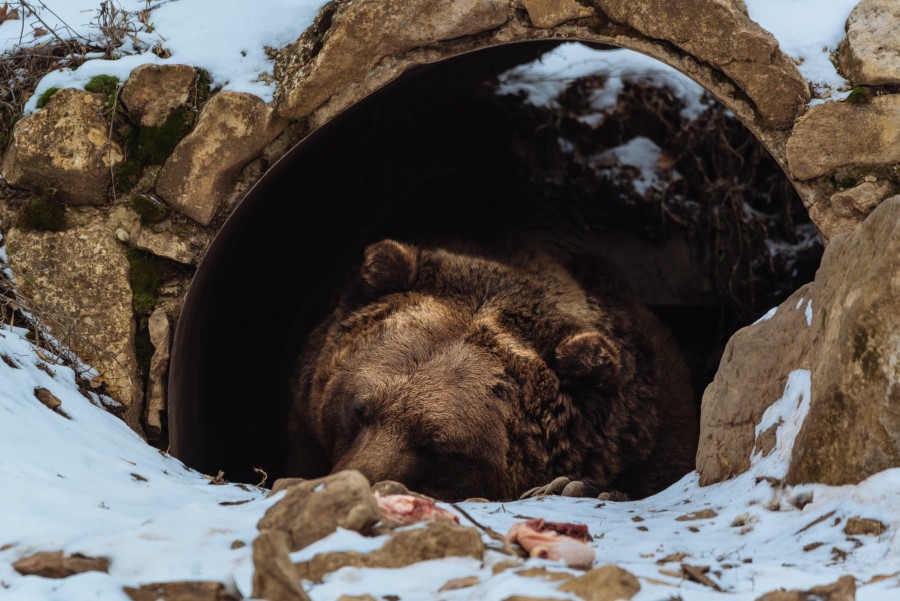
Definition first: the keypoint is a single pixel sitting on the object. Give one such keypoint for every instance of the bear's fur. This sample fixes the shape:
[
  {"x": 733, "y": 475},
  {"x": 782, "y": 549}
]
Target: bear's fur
[{"x": 467, "y": 375}]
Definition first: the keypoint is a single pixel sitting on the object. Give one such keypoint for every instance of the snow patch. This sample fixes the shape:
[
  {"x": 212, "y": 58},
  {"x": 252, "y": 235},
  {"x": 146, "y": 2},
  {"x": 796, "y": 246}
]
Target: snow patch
[
  {"x": 787, "y": 414},
  {"x": 769, "y": 315},
  {"x": 543, "y": 81}
]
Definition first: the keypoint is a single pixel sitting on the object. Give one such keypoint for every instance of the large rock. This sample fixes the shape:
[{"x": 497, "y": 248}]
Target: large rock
[
  {"x": 853, "y": 427},
  {"x": 153, "y": 92},
  {"x": 313, "y": 509},
  {"x": 160, "y": 338},
  {"x": 845, "y": 210},
  {"x": 751, "y": 376},
  {"x": 232, "y": 130},
  {"x": 719, "y": 32},
  {"x": 350, "y": 38},
  {"x": 837, "y": 134},
  {"x": 870, "y": 54},
  {"x": 66, "y": 147},
  {"x": 273, "y": 572},
  {"x": 79, "y": 280},
  {"x": 437, "y": 540}
]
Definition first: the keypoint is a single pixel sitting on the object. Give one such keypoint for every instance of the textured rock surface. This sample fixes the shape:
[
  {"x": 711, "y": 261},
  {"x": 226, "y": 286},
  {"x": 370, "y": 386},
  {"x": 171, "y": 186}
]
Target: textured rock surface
[
  {"x": 836, "y": 134},
  {"x": 720, "y": 33},
  {"x": 160, "y": 338},
  {"x": 53, "y": 564},
  {"x": 66, "y": 147},
  {"x": 177, "y": 242},
  {"x": 180, "y": 591},
  {"x": 606, "y": 583},
  {"x": 435, "y": 541},
  {"x": 360, "y": 33},
  {"x": 842, "y": 590},
  {"x": 751, "y": 376},
  {"x": 232, "y": 129},
  {"x": 870, "y": 54},
  {"x": 314, "y": 509},
  {"x": 273, "y": 573},
  {"x": 853, "y": 427},
  {"x": 550, "y": 13},
  {"x": 152, "y": 92},
  {"x": 87, "y": 301},
  {"x": 845, "y": 210}
]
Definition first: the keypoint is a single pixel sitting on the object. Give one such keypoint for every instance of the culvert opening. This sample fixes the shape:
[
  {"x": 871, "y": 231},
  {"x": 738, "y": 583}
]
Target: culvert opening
[{"x": 668, "y": 185}]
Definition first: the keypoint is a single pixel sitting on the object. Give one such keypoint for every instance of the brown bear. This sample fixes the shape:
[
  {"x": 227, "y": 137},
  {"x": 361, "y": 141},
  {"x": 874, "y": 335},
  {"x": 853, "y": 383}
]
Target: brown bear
[{"x": 464, "y": 374}]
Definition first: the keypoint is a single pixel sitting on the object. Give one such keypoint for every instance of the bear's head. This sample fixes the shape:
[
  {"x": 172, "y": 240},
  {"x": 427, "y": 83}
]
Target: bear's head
[{"x": 450, "y": 372}]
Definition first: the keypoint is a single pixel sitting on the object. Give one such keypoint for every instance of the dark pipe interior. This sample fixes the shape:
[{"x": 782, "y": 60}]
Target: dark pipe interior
[{"x": 428, "y": 156}]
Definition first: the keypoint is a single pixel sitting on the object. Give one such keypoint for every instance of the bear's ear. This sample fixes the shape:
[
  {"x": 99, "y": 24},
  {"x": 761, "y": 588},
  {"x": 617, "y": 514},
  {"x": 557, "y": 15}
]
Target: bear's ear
[
  {"x": 389, "y": 266},
  {"x": 588, "y": 355}
]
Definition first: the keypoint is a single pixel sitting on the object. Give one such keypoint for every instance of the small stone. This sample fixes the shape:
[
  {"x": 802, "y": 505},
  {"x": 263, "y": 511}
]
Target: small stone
[
  {"x": 459, "y": 583},
  {"x": 314, "y": 509},
  {"x": 389, "y": 487},
  {"x": 48, "y": 399},
  {"x": 181, "y": 591},
  {"x": 870, "y": 54},
  {"x": 606, "y": 583},
  {"x": 550, "y": 13},
  {"x": 122, "y": 235},
  {"x": 869, "y": 527},
  {"x": 53, "y": 564},
  {"x": 703, "y": 514},
  {"x": 842, "y": 590},
  {"x": 846, "y": 210}
]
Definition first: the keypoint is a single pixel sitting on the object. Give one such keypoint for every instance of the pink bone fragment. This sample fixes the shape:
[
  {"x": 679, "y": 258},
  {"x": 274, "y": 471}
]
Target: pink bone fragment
[
  {"x": 403, "y": 510},
  {"x": 556, "y": 541}
]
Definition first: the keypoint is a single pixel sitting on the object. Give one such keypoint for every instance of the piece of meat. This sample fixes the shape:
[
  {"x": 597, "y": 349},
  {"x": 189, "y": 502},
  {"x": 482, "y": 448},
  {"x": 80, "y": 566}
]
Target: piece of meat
[
  {"x": 403, "y": 510},
  {"x": 556, "y": 541}
]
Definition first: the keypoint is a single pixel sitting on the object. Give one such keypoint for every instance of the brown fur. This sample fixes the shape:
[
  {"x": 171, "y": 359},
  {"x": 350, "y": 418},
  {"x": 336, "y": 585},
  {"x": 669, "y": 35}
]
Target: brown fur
[{"x": 464, "y": 376}]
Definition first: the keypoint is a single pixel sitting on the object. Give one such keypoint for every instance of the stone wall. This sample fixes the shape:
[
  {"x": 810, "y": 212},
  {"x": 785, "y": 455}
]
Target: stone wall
[{"x": 162, "y": 180}]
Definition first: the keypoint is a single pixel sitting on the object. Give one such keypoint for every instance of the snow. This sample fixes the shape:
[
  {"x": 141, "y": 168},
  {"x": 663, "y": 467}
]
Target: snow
[
  {"x": 543, "y": 81},
  {"x": 643, "y": 154},
  {"x": 808, "y": 31},
  {"x": 228, "y": 41}
]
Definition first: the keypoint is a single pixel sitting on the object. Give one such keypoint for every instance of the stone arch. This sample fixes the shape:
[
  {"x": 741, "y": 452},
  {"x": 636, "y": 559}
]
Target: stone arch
[{"x": 190, "y": 437}]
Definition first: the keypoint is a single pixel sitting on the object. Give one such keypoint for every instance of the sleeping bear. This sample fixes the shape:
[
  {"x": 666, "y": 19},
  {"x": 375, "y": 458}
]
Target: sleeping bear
[{"x": 472, "y": 374}]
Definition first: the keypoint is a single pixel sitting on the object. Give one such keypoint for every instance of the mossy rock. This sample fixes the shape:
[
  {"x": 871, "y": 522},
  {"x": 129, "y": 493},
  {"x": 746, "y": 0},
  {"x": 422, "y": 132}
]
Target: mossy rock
[
  {"x": 155, "y": 144},
  {"x": 148, "y": 208},
  {"x": 145, "y": 276},
  {"x": 45, "y": 213},
  {"x": 45, "y": 97}
]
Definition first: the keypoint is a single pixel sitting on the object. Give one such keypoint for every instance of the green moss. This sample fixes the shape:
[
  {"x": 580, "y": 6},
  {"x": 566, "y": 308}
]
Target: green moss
[
  {"x": 107, "y": 85},
  {"x": 44, "y": 98},
  {"x": 143, "y": 348},
  {"x": 128, "y": 173},
  {"x": 44, "y": 213},
  {"x": 203, "y": 87},
  {"x": 148, "y": 208},
  {"x": 155, "y": 144},
  {"x": 145, "y": 275},
  {"x": 859, "y": 95}
]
